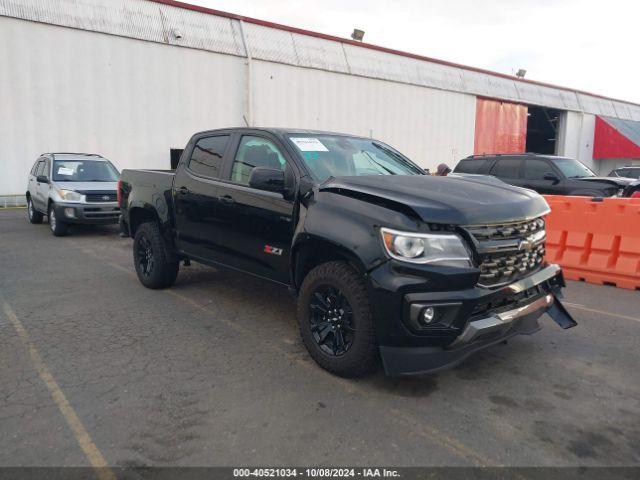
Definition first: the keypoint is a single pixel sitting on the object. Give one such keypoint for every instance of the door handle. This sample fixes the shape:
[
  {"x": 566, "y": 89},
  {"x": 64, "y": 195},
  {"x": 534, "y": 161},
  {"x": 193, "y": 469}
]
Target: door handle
[
  {"x": 183, "y": 190},
  {"x": 228, "y": 199}
]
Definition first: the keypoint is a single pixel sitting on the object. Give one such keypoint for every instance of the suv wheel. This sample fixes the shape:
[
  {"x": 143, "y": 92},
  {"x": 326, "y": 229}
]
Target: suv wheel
[
  {"x": 155, "y": 265},
  {"x": 58, "y": 228},
  {"x": 335, "y": 323},
  {"x": 34, "y": 215}
]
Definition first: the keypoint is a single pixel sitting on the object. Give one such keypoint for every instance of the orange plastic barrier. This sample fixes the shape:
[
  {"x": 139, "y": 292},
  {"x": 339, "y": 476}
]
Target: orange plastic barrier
[{"x": 597, "y": 242}]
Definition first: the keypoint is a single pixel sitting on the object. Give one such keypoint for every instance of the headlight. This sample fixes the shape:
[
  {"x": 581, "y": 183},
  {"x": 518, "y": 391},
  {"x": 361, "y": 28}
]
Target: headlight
[
  {"x": 437, "y": 248},
  {"x": 70, "y": 195}
]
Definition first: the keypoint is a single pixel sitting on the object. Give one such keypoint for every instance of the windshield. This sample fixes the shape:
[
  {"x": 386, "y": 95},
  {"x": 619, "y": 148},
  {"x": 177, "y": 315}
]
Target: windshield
[
  {"x": 573, "y": 168},
  {"x": 338, "y": 156},
  {"x": 84, "y": 171}
]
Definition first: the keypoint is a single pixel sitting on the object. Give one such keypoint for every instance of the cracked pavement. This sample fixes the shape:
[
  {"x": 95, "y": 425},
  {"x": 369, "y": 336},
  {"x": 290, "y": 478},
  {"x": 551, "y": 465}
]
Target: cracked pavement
[{"x": 212, "y": 372}]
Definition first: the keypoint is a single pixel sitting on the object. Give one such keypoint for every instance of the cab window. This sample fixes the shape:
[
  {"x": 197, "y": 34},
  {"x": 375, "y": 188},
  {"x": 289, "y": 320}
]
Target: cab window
[
  {"x": 255, "y": 152},
  {"x": 207, "y": 155}
]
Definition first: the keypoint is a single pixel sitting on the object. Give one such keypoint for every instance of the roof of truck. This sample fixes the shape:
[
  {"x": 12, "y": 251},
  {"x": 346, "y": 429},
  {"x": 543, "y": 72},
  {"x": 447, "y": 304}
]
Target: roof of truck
[{"x": 280, "y": 131}]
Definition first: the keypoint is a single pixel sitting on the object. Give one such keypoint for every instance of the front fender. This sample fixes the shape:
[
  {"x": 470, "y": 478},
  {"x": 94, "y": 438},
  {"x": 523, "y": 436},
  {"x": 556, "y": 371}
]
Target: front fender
[{"x": 349, "y": 225}]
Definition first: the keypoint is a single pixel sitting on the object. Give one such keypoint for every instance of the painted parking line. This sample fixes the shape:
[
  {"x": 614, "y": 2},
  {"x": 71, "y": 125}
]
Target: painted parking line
[
  {"x": 578, "y": 306},
  {"x": 91, "y": 451}
]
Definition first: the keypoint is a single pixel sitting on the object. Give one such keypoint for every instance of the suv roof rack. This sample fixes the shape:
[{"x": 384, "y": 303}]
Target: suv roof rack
[
  {"x": 480, "y": 155},
  {"x": 73, "y": 153}
]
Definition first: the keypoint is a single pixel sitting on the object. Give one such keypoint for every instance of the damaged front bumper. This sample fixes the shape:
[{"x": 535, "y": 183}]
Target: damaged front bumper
[{"x": 536, "y": 295}]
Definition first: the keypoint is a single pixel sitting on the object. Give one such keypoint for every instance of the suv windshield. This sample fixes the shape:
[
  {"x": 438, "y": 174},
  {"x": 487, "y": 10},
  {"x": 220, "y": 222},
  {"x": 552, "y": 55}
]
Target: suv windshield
[
  {"x": 339, "y": 156},
  {"x": 573, "y": 168},
  {"x": 84, "y": 171}
]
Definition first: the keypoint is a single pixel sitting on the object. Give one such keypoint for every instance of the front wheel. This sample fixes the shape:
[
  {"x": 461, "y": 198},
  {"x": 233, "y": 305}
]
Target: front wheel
[
  {"x": 58, "y": 228},
  {"x": 335, "y": 321},
  {"x": 34, "y": 215},
  {"x": 155, "y": 265}
]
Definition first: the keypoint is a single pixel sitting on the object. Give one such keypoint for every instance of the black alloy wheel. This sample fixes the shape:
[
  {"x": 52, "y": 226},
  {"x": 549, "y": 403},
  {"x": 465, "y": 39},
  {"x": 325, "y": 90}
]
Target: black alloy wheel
[
  {"x": 331, "y": 319},
  {"x": 155, "y": 263},
  {"x": 145, "y": 257}
]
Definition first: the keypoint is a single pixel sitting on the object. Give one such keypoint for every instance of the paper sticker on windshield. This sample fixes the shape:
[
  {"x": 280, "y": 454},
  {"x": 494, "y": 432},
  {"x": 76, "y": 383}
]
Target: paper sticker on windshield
[
  {"x": 65, "y": 171},
  {"x": 309, "y": 144}
]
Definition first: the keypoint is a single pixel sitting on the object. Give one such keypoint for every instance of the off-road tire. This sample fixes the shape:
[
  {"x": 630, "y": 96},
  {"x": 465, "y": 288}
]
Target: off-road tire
[
  {"x": 164, "y": 269},
  {"x": 33, "y": 215},
  {"x": 57, "y": 227},
  {"x": 361, "y": 358}
]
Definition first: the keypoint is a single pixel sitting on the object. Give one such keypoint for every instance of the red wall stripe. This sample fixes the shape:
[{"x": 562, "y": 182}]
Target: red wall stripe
[{"x": 610, "y": 143}]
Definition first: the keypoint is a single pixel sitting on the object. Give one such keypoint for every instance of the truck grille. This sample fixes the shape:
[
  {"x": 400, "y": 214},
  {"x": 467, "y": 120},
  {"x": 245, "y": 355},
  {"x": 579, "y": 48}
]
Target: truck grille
[
  {"x": 101, "y": 197},
  {"x": 510, "y": 251}
]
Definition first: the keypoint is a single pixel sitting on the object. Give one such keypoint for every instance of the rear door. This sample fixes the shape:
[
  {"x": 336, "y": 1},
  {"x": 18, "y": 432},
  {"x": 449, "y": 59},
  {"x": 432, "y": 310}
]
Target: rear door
[
  {"x": 196, "y": 192},
  {"x": 509, "y": 170},
  {"x": 41, "y": 197},
  {"x": 256, "y": 226},
  {"x": 31, "y": 183}
]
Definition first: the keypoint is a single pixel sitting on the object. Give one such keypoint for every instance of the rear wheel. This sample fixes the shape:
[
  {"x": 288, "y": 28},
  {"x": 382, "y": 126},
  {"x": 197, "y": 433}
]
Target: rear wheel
[
  {"x": 155, "y": 265},
  {"x": 335, "y": 320},
  {"x": 34, "y": 215},
  {"x": 58, "y": 228}
]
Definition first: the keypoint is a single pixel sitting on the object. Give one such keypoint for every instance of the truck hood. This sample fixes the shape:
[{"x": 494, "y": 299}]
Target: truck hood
[
  {"x": 87, "y": 186},
  {"x": 474, "y": 200},
  {"x": 615, "y": 181}
]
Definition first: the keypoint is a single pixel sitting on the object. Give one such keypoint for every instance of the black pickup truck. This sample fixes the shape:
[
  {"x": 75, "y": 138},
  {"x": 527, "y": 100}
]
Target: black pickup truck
[{"x": 383, "y": 259}]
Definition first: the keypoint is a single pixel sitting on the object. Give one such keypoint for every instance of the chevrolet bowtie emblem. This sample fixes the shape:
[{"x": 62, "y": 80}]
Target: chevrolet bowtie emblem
[{"x": 526, "y": 245}]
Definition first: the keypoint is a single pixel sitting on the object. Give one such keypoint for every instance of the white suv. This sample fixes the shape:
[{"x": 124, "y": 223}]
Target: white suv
[{"x": 72, "y": 188}]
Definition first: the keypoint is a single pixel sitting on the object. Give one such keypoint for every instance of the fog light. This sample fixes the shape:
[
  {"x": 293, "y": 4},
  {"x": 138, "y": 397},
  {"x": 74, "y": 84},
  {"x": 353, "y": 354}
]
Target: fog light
[
  {"x": 70, "y": 212},
  {"x": 428, "y": 315}
]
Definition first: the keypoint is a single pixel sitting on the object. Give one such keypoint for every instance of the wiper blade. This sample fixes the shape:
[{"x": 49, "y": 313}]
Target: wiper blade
[
  {"x": 377, "y": 163},
  {"x": 390, "y": 152}
]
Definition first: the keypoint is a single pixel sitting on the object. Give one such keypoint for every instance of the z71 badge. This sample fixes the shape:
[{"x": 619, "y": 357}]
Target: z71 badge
[{"x": 272, "y": 250}]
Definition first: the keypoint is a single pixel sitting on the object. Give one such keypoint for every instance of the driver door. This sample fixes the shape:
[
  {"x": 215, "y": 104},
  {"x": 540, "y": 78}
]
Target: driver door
[
  {"x": 535, "y": 170},
  {"x": 256, "y": 226}
]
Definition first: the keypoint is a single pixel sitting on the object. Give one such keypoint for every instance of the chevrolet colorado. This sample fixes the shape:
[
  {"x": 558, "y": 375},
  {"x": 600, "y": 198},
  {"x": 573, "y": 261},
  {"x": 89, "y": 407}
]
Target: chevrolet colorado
[{"x": 384, "y": 260}]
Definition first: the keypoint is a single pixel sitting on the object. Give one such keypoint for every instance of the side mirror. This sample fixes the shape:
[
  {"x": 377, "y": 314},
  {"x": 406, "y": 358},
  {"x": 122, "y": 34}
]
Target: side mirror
[
  {"x": 42, "y": 179},
  {"x": 269, "y": 179},
  {"x": 551, "y": 176}
]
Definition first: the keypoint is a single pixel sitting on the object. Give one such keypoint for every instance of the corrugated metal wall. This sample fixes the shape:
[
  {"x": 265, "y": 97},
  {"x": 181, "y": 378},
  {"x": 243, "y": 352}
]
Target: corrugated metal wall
[
  {"x": 155, "y": 22},
  {"x": 431, "y": 126},
  {"x": 72, "y": 90},
  {"x": 78, "y": 89}
]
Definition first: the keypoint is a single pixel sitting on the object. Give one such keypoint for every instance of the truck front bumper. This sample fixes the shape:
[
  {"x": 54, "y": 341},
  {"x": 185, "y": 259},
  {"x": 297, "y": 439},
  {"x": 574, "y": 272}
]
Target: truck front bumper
[
  {"x": 471, "y": 320},
  {"x": 87, "y": 213}
]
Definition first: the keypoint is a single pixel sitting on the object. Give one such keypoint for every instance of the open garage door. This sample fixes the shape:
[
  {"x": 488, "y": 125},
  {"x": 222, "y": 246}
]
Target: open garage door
[
  {"x": 501, "y": 127},
  {"x": 542, "y": 130}
]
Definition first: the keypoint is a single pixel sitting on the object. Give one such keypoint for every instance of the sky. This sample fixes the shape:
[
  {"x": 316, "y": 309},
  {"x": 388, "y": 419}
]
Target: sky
[{"x": 588, "y": 45}]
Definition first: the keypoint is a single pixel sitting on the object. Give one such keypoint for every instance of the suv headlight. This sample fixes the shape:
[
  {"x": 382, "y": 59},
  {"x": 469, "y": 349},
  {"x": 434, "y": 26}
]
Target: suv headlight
[
  {"x": 437, "y": 248},
  {"x": 69, "y": 195}
]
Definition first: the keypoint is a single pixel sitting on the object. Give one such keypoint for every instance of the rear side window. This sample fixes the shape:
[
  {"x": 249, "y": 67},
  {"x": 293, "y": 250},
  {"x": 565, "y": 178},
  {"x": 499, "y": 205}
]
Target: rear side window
[
  {"x": 535, "y": 169},
  {"x": 471, "y": 165},
  {"x": 506, "y": 168},
  {"x": 207, "y": 155},
  {"x": 40, "y": 168}
]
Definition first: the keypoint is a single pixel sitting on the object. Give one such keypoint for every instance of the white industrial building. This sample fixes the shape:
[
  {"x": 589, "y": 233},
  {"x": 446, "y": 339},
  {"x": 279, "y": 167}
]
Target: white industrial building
[{"x": 132, "y": 79}]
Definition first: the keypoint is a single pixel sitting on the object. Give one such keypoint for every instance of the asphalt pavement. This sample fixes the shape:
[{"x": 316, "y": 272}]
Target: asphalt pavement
[{"x": 94, "y": 367}]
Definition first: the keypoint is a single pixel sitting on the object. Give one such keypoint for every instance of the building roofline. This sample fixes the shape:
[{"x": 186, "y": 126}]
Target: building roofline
[{"x": 415, "y": 56}]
